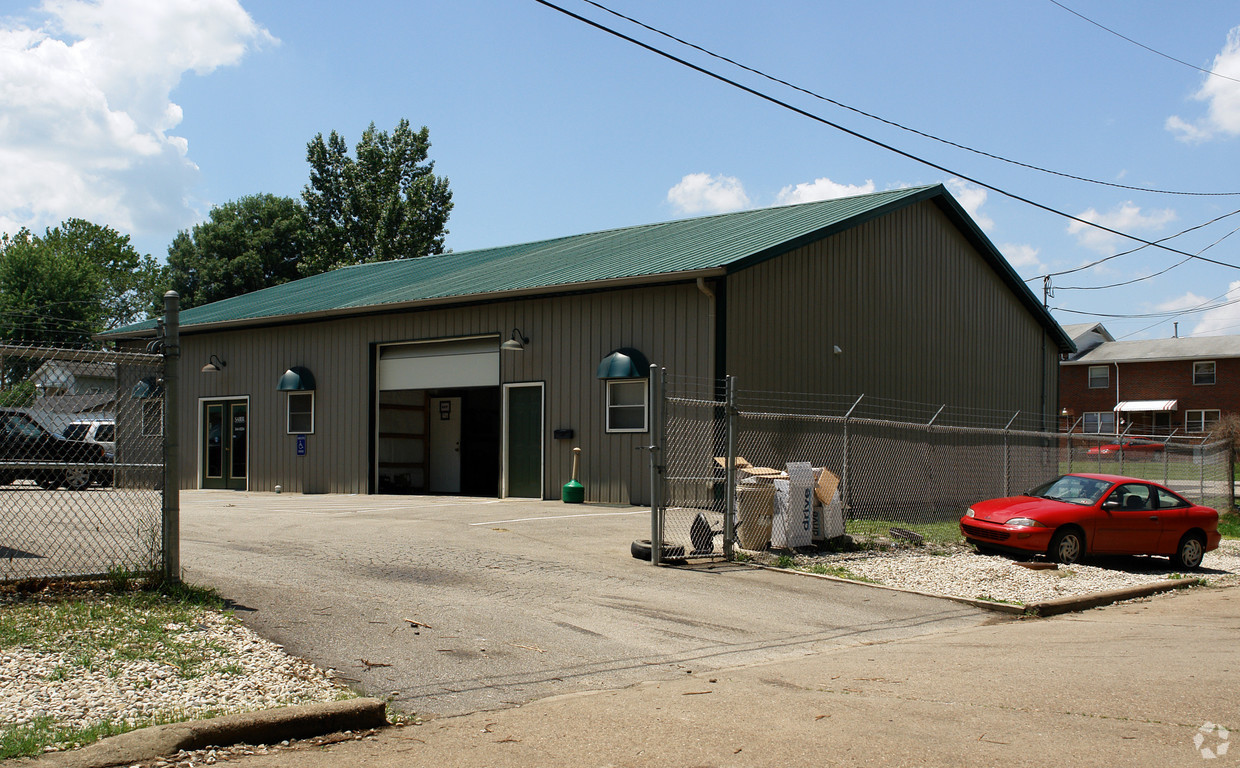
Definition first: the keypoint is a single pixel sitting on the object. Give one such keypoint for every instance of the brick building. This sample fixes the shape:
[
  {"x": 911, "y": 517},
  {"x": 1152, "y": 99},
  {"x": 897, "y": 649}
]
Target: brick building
[{"x": 1148, "y": 387}]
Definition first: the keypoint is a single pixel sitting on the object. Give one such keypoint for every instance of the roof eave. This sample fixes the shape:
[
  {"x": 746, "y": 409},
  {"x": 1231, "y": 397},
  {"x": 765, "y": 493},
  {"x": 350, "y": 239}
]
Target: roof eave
[{"x": 519, "y": 293}]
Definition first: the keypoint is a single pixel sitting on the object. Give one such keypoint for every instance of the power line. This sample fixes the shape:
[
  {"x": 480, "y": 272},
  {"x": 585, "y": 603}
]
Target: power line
[
  {"x": 1170, "y": 313},
  {"x": 817, "y": 118},
  {"x": 892, "y": 123},
  {"x": 1147, "y": 277},
  {"x": 1141, "y": 45}
]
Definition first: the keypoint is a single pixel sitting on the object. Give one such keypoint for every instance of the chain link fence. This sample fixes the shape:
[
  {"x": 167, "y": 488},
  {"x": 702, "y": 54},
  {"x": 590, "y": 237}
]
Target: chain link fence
[
  {"x": 798, "y": 470},
  {"x": 81, "y": 462}
]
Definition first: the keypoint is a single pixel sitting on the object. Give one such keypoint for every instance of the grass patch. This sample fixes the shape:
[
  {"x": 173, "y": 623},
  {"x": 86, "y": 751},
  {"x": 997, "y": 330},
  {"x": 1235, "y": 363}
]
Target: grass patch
[
  {"x": 943, "y": 533},
  {"x": 1229, "y": 525},
  {"x": 101, "y": 629},
  {"x": 839, "y": 572}
]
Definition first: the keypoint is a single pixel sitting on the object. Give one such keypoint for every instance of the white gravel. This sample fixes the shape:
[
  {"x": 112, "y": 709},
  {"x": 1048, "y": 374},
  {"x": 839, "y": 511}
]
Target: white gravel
[
  {"x": 961, "y": 572},
  {"x": 241, "y": 672}
]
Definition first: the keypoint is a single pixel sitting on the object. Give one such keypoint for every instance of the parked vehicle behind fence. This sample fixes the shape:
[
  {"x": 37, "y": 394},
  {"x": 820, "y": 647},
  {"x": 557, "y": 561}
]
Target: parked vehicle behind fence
[{"x": 28, "y": 451}]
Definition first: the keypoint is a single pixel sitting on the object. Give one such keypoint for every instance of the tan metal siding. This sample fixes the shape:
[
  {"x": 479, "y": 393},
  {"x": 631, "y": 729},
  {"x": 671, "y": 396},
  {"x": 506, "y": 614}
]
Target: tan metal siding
[
  {"x": 569, "y": 335},
  {"x": 919, "y": 315}
]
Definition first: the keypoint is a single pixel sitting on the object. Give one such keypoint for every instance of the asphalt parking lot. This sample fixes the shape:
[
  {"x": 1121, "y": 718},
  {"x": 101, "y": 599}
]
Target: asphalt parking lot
[{"x": 451, "y": 605}]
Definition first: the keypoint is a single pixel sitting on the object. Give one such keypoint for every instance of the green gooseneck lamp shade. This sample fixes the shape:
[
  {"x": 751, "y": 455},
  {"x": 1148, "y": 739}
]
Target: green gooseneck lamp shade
[
  {"x": 296, "y": 379},
  {"x": 624, "y": 363}
]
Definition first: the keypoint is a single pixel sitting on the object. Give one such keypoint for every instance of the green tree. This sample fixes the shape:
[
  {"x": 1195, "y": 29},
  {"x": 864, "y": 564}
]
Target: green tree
[
  {"x": 130, "y": 284},
  {"x": 385, "y": 204},
  {"x": 247, "y": 244}
]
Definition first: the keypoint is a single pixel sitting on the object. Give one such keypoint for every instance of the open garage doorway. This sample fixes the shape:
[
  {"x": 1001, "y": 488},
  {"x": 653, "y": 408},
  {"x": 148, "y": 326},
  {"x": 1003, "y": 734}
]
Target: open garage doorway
[{"x": 437, "y": 418}]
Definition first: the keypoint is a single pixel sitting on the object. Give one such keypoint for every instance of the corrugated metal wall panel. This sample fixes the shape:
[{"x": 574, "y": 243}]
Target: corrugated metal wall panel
[
  {"x": 919, "y": 315},
  {"x": 569, "y": 335}
]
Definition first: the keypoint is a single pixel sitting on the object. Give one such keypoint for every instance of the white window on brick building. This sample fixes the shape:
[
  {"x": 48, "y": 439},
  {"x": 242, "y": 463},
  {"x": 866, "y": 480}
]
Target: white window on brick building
[
  {"x": 1099, "y": 376},
  {"x": 1203, "y": 372},
  {"x": 1200, "y": 421},
  {"x": 1098, "y": 423}
]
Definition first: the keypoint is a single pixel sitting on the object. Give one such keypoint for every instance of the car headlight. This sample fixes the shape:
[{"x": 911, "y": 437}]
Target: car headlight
[
  {"x": 970, "y": 513},
  {"x": 1025, "y": 522}
]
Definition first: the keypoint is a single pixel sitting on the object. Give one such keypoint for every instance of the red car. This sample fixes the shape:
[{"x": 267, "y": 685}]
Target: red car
[
  {"x": 1139, "y": 447},
  {"x": 1083, "y": 514}
]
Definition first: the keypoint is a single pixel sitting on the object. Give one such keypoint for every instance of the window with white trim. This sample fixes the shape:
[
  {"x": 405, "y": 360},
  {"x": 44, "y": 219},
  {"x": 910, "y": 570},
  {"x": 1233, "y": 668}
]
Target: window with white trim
[
  {"x": 1200, "y": 421},
  {"x": 1203, "y": 372},
  {"x": 1098, "y": 423},
  {"x": 1099, "y": 376},
  {"x": 627, "y": 401},
  {"x": 301, "y": 413}
]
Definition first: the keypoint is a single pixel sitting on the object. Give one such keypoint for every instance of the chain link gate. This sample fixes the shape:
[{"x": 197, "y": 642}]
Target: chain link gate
[
  {"x": 733, "y": 468},
  {"x": 82, "y": 462}
]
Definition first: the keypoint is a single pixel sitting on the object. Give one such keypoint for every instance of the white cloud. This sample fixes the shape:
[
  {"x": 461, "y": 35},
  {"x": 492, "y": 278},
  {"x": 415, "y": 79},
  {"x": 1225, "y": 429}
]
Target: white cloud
[
  {"x": 1023, "y": 258},
  {"x": 971, "y": 198},
  {"x": 87, "y": 110},
  {"x": 1222, "y": 96},
  {"x": 821, "y": 189},
  {"x": 1224, "y": 320},
  {"x": 703, "y": 193},
  {"x": 1127, "y": 217}
]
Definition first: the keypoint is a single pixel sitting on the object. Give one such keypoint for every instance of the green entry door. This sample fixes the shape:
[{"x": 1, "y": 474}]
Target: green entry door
[
  {"x": 225, "y": 443},
  {"x": 523, "y": 441}
]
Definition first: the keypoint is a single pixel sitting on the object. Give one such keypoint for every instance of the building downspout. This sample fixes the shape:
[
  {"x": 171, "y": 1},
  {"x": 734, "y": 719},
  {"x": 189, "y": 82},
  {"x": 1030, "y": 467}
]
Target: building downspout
[{"x": 1117, "y": 417}]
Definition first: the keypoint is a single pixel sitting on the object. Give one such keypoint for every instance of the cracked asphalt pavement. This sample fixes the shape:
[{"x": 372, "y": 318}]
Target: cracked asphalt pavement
[{"x": 452, "y": 605}]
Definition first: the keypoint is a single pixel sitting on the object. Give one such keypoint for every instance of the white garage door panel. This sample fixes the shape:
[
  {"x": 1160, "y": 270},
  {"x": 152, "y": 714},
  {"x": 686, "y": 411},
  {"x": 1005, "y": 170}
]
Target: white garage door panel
[{"x": 439, "y": 365}]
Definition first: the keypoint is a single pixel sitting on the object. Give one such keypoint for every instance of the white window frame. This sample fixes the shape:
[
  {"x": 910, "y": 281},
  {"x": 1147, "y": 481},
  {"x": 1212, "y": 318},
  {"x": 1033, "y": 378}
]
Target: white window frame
[
  {"x": 1106, "y": 376},
  {"x": 288, "y": 412},
  {"x": 1213, "y": 373},
  {"x": 1097, "y": 425},
  {"x": 645, "y": 405},
  {"x": 1200, "y": 422}
]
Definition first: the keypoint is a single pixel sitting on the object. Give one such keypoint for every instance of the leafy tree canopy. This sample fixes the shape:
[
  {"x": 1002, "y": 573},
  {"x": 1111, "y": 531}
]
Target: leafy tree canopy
[
  {"x": 247, "y": 244},
  {"x": 387, "y": 203}
]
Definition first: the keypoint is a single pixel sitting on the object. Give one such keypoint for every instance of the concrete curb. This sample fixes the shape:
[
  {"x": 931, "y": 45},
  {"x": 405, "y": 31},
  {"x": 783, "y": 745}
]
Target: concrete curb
[
  {"x": 1043, "y": 608},
  {"x": 1084, "y": 602},
  {"x": 269, "y": 726}
]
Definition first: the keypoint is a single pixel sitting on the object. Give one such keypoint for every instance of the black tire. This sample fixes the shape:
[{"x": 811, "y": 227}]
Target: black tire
[
  {"x": 1189, "y": 552},
  {"x": 640, "y": 549},
  {"x": 984, "y": 549},
  {"x": 77, "y": 479},
  {"x": 1067, "y": 546}
]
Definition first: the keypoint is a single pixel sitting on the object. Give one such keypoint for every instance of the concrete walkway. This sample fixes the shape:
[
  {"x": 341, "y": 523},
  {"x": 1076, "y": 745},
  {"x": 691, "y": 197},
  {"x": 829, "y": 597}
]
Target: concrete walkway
[{"x": 1128, "y": 685}]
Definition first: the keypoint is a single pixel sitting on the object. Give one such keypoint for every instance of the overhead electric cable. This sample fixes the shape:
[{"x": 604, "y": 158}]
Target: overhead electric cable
[
  {"x": 1146, "y": 277},
  {"x": 1170, "y": 313},
  {"x": 855, "y": 134},
  {"x": 1142, "y": 45},
  {"x": 894, "y": 124}
]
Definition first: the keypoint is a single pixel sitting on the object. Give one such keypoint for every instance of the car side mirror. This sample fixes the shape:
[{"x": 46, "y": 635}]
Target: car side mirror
[{"x": 1110, "y": 504}]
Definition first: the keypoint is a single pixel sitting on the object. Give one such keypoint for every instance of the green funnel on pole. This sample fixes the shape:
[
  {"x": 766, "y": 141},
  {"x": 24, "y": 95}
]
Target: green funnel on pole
[{"x": 574, "y": 492}]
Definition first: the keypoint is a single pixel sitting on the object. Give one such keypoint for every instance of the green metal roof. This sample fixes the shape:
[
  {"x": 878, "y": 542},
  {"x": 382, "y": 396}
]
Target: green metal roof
[{"x": 684, "y": 248}]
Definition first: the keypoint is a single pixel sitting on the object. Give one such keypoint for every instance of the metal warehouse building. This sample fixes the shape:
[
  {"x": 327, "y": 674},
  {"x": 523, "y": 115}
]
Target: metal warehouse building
[{"x": 478, "y": 372}]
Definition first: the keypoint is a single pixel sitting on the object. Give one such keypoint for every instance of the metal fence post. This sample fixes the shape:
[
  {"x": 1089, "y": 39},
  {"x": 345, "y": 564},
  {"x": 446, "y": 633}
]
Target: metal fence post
[
  {"x": 1164, "y": 453},
  {"x": 847, "y": 479},
  {"x": 1007, "y": 468},
  {"x": 658, "y": 408},
  {"x": 172, "y": 464},
  {"x": 1201, "y": 488},
  {"x": 729, "y": 512},
  {"x": 1121, "y": 447}
]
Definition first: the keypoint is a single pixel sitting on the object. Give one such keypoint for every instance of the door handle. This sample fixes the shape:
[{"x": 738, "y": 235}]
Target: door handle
[{"x": 1154, "y": 518}]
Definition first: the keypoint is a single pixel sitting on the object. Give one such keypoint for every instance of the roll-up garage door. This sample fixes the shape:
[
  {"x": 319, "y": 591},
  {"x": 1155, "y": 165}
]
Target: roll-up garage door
[{"x": 440, "y": 364}]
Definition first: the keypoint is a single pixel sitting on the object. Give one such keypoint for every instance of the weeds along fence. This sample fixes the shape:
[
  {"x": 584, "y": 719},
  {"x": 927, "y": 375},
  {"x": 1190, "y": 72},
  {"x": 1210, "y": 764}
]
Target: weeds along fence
[
  {"x": 82, "y": 463},
  {"x": 757, "y": 469}
]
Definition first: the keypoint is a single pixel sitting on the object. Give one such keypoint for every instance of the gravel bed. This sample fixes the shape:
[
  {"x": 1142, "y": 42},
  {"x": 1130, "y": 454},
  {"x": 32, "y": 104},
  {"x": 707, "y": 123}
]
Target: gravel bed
[
  {"x": 961, "y": 572},
  {"x": 243, "y": 672}
]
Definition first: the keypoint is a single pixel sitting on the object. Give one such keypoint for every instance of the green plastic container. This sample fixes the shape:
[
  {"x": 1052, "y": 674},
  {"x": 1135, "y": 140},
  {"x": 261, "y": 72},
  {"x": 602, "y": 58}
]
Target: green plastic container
[{"x": 573, "y": 493}]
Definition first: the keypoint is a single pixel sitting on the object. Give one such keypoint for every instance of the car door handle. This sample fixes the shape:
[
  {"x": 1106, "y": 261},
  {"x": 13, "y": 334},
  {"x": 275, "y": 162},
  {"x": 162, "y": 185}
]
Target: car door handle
[{"x": 1154, "y": 518}]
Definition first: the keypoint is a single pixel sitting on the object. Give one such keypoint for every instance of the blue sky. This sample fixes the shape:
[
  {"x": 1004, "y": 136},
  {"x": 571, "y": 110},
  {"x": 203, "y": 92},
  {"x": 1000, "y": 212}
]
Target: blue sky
[{"x": 142, "y": 114}]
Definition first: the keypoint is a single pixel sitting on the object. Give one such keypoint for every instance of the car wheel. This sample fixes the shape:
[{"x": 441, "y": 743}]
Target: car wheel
[
  {"x": 1068, "y": 546},
  {"x": 640, "y": 548},
  {"x": 983, "y": 549},
  {"x": 1189, "y": 553},
  {"x": 77, "y": 479}
]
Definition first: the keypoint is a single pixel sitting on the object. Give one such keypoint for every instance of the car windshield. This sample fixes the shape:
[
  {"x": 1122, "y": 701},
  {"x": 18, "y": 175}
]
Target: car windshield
[{"x": 1072, "y": 489}]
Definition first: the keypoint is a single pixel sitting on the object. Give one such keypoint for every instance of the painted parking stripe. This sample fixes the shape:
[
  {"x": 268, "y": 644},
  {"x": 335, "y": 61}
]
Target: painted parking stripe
[{"x": 564, "y": 517}]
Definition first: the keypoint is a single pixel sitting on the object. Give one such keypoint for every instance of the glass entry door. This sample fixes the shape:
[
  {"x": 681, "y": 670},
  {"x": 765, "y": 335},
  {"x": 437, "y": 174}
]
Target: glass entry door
[{"x": 225, "y": 436}]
